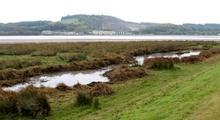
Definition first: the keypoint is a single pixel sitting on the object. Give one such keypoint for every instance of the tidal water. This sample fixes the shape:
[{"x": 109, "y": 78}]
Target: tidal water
[{"x": 92, "y": 38}]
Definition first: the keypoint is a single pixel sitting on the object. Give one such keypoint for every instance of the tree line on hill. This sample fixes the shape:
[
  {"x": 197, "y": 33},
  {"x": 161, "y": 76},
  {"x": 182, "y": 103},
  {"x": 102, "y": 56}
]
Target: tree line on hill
[{"x": 85, "y": 24}]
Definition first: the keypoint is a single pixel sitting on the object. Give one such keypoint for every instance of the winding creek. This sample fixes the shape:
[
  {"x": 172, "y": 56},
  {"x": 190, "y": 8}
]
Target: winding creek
[{"x": 89, "y": 76}]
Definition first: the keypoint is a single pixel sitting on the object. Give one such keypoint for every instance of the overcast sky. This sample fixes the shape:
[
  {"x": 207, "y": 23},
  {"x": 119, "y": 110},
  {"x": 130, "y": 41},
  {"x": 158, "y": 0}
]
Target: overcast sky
[{"x": 160, "y": 11}]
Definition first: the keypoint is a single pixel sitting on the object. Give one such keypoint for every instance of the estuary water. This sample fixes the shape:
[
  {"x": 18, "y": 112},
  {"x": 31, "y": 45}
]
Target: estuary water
[{"x": 92, "y": 38}]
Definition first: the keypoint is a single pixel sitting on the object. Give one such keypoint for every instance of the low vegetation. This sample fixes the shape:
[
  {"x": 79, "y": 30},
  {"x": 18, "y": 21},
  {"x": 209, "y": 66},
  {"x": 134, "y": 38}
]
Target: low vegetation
[
  {"x": 160, "y": 63},
  {"x": 83, "y": 99},
  {"x": 63, "y": 87},
  {"x": 123, "y": 73},
  {"x": 43, "y": 53},
  {"x": 179, "y": 92},
  {"x": 70, "y": 57},
  {"x": 8, "y": 101},
  {"x": 101, "y": 89},
  {"x": 18, "y": 64},
  {"x": 28, "y": 102},
  {"x": 32, "y": 103}
]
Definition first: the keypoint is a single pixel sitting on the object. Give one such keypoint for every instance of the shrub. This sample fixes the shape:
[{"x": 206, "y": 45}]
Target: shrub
[
  {"x": 69, "y": 57},
  {"x": 63, "y": 87},
  {"x": 82, "y": 99},
  {"x": 32, "y": 103},
  {"x": 101, "y": 89},
  {"x": 8, "y": 102},
  {"x": 159, "y": 63}
]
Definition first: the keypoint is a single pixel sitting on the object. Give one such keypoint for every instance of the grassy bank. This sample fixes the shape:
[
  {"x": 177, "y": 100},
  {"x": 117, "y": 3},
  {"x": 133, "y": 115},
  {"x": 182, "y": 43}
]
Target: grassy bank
[{"x": 165, "y": 94}]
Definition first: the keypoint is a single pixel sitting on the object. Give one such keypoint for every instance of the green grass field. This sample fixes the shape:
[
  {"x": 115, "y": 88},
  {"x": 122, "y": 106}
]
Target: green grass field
[{"x": 190, "y": 92}]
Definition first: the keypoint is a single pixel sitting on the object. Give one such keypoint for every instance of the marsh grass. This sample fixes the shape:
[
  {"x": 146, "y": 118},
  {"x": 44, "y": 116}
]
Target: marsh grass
[
  {"x": 32, "y": 103},
  {"x": 63, "y": 87},
  {"x": 8, "y": 102},
  {"x": 83, "y": 99},
  {"x": 18, "y": 63},
  {"x": 95, "y": 49},
  {"x": 43, "y": 53},
  {"x": 28, "y": 102},
  {"x": 122, "y": 73},
  {"x": 160, "y": 63},
  {"x": 96, "y": 104},
  {"x": 101, "y": 89},
  {"x": 70, "y": 57}
]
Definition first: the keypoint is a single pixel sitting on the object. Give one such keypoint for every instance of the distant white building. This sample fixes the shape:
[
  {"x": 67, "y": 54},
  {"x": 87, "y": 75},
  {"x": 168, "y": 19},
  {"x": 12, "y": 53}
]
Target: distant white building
[
  {"x": 100, "y": 32},
  {"x": 48, "y": 32}
]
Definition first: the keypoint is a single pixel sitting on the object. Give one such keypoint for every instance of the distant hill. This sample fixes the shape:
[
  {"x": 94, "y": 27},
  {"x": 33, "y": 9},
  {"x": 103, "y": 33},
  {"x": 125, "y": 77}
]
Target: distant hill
[
  {"x": 185, "y": 29},
  {"x": 102, "y": 22},
  {"x": 86, "y": 24}
]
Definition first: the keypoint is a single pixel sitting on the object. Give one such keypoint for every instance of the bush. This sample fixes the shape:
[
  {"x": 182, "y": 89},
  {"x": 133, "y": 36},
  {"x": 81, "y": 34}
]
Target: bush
[
  {"x": 32, "y": 103},
  {"x": 63, "y": 87},
  {"x": 160, "y": 63},
  {"x": 8, "y": 102},
  {"x": 101, "y": 89},
  {"x": 69, "y": 57},
  {"x": 82, "y": 99}
]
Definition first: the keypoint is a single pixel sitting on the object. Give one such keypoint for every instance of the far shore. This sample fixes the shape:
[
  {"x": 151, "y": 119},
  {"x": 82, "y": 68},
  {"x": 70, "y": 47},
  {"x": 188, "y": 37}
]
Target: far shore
[{"x": 63, "y": 39}]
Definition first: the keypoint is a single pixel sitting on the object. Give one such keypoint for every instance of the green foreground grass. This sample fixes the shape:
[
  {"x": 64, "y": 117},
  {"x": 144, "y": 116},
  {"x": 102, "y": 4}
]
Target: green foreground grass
[{"x": 190, "y": 92}]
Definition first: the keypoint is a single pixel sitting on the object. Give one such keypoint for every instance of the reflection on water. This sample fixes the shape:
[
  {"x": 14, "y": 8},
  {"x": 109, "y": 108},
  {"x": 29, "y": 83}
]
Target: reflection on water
[
  {"x": 89, "y": 76},
  {"x": 68, "y": 78},
  {"x": 180, "y": 55}
]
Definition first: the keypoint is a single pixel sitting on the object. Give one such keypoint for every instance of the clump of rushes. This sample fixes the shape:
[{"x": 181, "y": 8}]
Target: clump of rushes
[
  {"x": 96, "y": 104},
  {"x": 122, "y": 73},
  {"x": 83, "y": 99},
  {"x": 70, "y": 57},
  {"x": 63, "y": 87},
  {"x": 159, "y": 63},
  {"x": 8, "y": 102},
  {"x": 100, "y": 89},
  {"x": 28, "y": 102},
  {"x": 192, "y": 59},
  {"x": 33, "y": 103}
]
